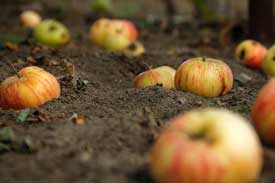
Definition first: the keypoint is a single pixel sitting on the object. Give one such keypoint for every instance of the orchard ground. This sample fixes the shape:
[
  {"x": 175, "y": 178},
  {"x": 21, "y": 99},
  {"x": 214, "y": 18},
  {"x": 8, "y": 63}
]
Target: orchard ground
[{"x": 121, "y": 122}]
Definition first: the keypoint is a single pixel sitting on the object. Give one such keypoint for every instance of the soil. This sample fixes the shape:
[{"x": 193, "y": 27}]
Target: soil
[{"x": 121, "y": 122}]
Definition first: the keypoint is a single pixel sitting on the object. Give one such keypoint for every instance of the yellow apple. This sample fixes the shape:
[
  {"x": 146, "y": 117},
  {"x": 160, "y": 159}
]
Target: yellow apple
[
  {"x": 134, "y": 49},
  {"x": 268, "y": 64},
  {"x": 163, "y": 75},
  {"x": 30, "y": 18}
]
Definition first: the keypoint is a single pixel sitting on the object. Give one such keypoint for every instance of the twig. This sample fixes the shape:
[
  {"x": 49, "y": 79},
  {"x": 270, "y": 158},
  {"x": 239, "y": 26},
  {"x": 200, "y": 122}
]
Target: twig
[{"x": 15, "y": 70}]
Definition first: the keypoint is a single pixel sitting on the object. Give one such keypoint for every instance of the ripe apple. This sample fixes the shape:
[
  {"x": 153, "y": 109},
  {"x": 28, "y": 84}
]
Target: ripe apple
[
  {"x": 116, "y": 42},
  {"x": 99, "y": 30},
  {"x": 134, "y": 49},
  {"x": 263, "y": 112},
  {"x": 30, "y": 88},
  {"x": 207, "y": 146},
  {"x": 30, "y": 19},
  {"x": 268, "y": 64},
  {"x": 251, "y": 53},
  {"x": 163, "y": 75},
  {"x": 51, "y": 33},
  {"x": 128, "y": 28},
  {"x": 204, "y": 76}
]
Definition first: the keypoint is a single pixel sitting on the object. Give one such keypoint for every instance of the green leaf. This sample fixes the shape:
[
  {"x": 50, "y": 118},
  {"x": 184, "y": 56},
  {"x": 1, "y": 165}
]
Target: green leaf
[
  {"x": 6, "y": 135},
  {"x": 12, "y": 38},
  {"x": 23, "y": 115}
]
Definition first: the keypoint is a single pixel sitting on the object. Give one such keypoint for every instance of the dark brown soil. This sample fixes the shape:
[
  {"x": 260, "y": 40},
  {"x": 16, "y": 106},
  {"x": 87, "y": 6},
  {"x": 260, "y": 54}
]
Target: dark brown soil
[{"x": 121, "y": 121}]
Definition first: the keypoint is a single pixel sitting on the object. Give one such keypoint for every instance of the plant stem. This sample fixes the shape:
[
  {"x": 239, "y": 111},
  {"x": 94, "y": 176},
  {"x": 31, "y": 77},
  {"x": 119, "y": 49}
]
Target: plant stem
[{"x": 15, "y": 71}]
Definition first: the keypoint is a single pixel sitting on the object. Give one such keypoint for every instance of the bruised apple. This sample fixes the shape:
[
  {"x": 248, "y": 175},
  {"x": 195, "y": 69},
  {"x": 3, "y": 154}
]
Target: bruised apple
[
  {"x": 163, "y": 75},
  {"x": 30, "y": 19},
  {"x": 204, "y": 76},
  {"x": 251, "y": 53},
  {"x": 263, "y": 112},
  {"x": 51, "y": 33},
  {"x": 207, "y": 146},
  {"x": 30, "y": 88},
  {"x": 268, "y": 64}
]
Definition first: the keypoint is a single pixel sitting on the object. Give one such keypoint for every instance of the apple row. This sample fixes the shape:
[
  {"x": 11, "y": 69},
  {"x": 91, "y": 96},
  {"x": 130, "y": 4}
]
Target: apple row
[
  {"x": 256, "y": 56},
  {"x": 114, "y": 35}
]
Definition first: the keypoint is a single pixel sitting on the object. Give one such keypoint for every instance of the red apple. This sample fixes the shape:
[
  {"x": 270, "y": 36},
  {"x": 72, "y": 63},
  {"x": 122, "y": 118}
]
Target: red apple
[
  {"x": 251, "y": 53},
  {"x": 204, "y": 76},
  {"x": 163, "y": 75},
  {"x": 31, "y": 88},
  {"x": 263, "y": 112},
  {"x": 128, "y": 27},
  {"x": 207, "y": 146}
]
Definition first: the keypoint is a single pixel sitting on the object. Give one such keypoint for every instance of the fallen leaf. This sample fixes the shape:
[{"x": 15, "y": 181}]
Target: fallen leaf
[{"x": 23, "y": 115}]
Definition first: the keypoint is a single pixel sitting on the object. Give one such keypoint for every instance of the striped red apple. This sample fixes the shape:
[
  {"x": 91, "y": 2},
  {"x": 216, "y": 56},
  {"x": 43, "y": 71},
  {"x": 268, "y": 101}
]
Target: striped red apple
[
  {"x": 263, "y": 112},
  {"x": 30, "y": 88},
  {"x": 204, "y": 76},
  {"x": 207, "y": 146},
  {"x": 251, "y": 53},
  {"x": 163, "y": 75}
]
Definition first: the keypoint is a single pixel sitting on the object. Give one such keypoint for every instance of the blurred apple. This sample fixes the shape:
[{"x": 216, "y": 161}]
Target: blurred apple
[
  {"x": 204, "y": 76},
  {"x": 127, "y": 27},
  {"x": 30, "y": 88},
  {"x": 99, "y": 31},
  {"x": 135, "y": 49},
  {"x": 30, "y": 18},
  {"x": 268, "y": 64},
  {"x": 163, "y": 75},
  {"x": 207, "y": 146},
  {"x": 52, "y": 33},
  {"x": 251, "y": 53},
  {"x": 263, "y": 112},
  {"x": 101, "y": 6},
  {"x": 116, "y": 42}
]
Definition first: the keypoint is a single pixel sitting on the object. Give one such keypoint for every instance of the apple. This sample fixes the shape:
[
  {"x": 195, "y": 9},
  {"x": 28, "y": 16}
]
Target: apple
[
  {"x": 207, "y": 146},
  {"x": 51, "y": 33},
  {"x": 116, "y": 42},
  {"x": 30, "y": 18},
  {"x": 99, "y": 30},
  {"x": 251, "y": 53},
  {"x": 101, "y": 6},
  {"x": 163, "y": 75},
  {"x": 204, "y": 76},
  {"x": 134, "y": 49},
  {"x": 263, "y": 112},
  {"x": 268, "y": 64},
  {"x": 126, "y": 28},
  {"x": 30, "y": 88}
]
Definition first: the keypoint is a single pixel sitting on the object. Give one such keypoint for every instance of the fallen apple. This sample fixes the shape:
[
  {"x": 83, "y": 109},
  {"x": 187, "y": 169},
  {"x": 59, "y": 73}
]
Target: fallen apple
[
  {"x": 116, "y": 42},
  {"x": 263, "y": 112},
  {"x": 163, "y": 75},
  {"x": 134, "y": 49},
  {"x": 204, "y": 76},
  {"x": 251, "y": 53},
  {"x": 30, "y": 88},
  {"x": 268, "y": 64},
  {"x": 207, "y": 146},
  {"x": 99, "y": 31},
  {"x": 30, "y": 19},
  {"x": 126, "y": 27},
  {"x": 101, "y": 6},
  {"x": 51, "y": 33}
]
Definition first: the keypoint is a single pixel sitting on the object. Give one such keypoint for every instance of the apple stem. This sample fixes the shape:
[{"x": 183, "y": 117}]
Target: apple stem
[
  {"x": 15, "y": 71},
  {"x": 203, "y": 58}
]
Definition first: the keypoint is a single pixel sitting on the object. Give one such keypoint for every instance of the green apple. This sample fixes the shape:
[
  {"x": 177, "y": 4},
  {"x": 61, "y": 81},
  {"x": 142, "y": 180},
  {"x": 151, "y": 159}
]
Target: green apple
[
  {"x": 268, "y": 64},
  {"x": 101, "y": 6},
  {"x": 52, "y": 33}
]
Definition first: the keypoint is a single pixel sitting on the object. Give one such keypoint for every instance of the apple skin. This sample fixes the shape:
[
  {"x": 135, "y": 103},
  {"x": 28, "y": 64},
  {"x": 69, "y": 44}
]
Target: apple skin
[
  {"x": 251, "y": 53},
  {"x": 34, "y": 88},
  {"x": 263, "y": 112},
  {"x": 30, "y": 19},
  {"x": 161, "y": 75},
  {"x": 116, "y": 42},
  {"x": 204, "y": 76},
  {"x": 99, "y": 31},
  {"x": 135, "y": 49},
  {"x": 207, "y": 146},
  {"x": 268, "y": 65},
  {"x": 51, "y": 33}
]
